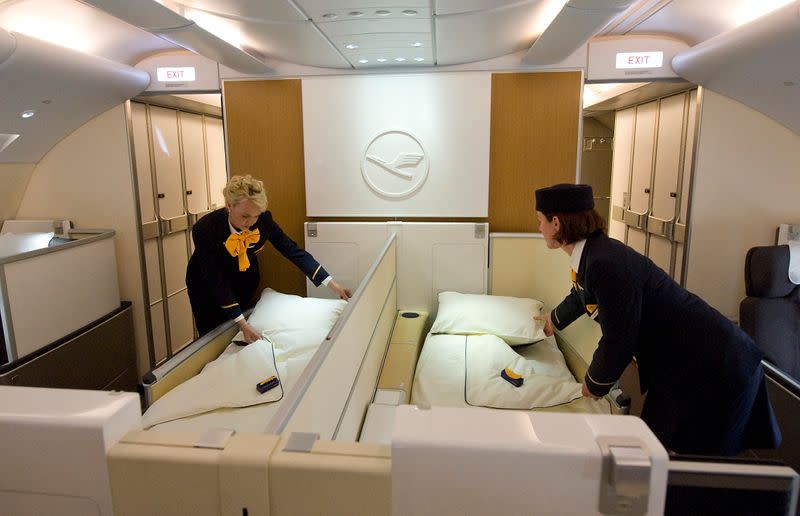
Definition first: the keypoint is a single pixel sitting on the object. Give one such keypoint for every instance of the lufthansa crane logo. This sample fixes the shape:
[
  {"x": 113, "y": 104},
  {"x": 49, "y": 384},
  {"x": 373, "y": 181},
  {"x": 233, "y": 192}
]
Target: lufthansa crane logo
[{"x": 394, "y": 164}]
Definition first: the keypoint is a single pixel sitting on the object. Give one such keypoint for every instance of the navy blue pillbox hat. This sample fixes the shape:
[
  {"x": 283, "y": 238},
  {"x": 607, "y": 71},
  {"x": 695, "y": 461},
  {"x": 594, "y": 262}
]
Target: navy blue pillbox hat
[{"x": 564, "y": 198}]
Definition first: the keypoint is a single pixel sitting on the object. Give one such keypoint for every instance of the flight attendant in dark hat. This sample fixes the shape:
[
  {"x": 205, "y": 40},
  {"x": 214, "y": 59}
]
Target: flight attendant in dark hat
[
  {"x": 222, "y": 275},
  {"x": 705, "y": 386}
]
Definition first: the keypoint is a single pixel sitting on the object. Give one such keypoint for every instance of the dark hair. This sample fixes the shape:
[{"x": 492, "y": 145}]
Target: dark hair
[{"x": 576, "y": 225}]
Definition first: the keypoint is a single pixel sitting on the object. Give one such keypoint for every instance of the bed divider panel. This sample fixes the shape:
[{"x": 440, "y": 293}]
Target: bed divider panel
[
  {"x": 431, "y": 256},
  {"x": 348, "y": 361}
]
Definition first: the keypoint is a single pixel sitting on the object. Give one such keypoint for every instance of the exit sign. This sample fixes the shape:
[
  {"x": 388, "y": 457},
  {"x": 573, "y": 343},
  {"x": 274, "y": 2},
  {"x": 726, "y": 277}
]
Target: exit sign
[
  {"x": 640, "y": 59},
  {"x": 175, "y": 74}
]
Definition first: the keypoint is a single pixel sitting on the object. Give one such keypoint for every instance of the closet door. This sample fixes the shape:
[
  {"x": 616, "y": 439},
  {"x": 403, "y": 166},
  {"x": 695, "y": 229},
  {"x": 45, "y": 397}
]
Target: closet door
[
  {"x": 641, "y": 173},
  {"x": 217, "y": 172},
  {"x": 679, "y": 231},
  {"x": 624, "y": 121},
  {"x": 143, "y": 157},
  {"x": 194, "y": 159},
  {"x": 668, "y": 167}
]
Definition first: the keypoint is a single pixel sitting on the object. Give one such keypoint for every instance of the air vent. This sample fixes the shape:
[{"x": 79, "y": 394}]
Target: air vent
[{"x": 6, "y": 140}]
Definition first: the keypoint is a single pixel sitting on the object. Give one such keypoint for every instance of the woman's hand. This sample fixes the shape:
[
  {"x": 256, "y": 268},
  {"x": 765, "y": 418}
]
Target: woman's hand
[
  {"x": 343, "y": 293},
  {"x": 586, "y": 393},
  {"x": 548, "y": 324},
  {"x": 250, "y": 334}
]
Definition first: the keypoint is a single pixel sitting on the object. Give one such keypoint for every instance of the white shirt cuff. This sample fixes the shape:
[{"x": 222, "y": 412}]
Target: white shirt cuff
[
  {"x": 241, "y": 316},
  {"x": 326, "y": 281}
]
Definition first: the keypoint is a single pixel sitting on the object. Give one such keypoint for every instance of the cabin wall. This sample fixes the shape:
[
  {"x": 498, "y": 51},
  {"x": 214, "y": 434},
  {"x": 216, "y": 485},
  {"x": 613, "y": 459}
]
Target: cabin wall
[
  {"x": 87, "y": 178},
  {"x": 13, "y": 181},
  {"x": 746, "y": 182},
  {"x": 534, "y": 129}
]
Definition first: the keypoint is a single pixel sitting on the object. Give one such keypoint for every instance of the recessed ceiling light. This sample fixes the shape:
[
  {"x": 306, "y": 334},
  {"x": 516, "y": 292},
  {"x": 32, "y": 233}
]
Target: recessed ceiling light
[
  {"x": 383, "y": 12},
  {"x": 330, "y": 16},
  {"x": 410, "y": 12},
  {"x": 381, "y": 60},
  {"x": 351, "y": 46},
  {"x": 418, "y": 59},
  {"x": 27, "y": 113},
  {"x": 355, "y": 14},
  {"x": 399, "y": 59},
  {"x": 363, "y": 61},
  {"x": 416, "y": 44}
]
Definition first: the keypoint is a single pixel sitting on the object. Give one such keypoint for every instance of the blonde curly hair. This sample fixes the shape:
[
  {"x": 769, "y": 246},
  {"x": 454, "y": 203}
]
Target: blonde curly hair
[{"x": 245, "y": 187}]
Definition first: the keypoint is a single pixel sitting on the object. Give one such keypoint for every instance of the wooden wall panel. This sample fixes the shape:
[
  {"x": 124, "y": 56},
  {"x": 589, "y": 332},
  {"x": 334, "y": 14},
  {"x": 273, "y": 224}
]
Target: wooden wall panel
[
  {"x": 264, "y": 125},
  {"x": 534, "y": 142}
]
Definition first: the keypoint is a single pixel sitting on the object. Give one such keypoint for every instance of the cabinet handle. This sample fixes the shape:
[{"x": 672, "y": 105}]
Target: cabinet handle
[
  {"x": 673, "y": 194},
  {"x": 188, "y": 192},
  {"x": 647, "y": 190},
  {"x": 161, "y": 196}
]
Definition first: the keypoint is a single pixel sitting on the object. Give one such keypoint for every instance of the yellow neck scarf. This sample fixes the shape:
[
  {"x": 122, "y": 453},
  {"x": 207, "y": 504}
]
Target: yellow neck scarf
[{"x": 237, "y": 243}]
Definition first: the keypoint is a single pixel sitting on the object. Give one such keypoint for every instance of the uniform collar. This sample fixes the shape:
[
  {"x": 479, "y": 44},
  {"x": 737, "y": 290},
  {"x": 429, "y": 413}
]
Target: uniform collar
[
  {"x": 577, "y": 252},
  {"x": 234, "y": 231}
]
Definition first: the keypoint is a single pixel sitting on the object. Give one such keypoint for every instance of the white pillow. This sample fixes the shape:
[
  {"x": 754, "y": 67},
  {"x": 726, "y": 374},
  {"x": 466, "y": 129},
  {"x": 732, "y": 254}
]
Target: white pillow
[
  {"x": 286, "y": 317},
  {"x": 229, "y": 381},
  {"x": 11, "y": 244},
  {"x": 510, "y": 318}
]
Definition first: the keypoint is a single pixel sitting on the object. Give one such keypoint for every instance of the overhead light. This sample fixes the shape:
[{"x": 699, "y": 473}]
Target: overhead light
[
  {"x": 399, "y": 59},
  {"x": 410, "y": 12},
  {"x": 355, "y": 14},
  {"x": 28, "y": 113},
  {"x": 6, "y": 140},
  {"x": 381, "y": 60},
  {"x": 383, "y": 12},
  {"x": 351, "y": 46},
  {"x": 330, "y": 16},
  {"x": 363, "y": 61},
  {"x": 416, "y": 44},
  {"x": 419, "y": 59}
]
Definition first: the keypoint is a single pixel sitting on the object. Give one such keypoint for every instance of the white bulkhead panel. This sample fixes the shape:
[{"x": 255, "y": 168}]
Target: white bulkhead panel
[
  {"x": 397, "y": 145},
  {"x": 217, "y": 170}
]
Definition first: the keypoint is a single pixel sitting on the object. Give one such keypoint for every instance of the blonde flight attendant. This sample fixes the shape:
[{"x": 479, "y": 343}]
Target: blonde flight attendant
[{"x": 222, "y": 275}]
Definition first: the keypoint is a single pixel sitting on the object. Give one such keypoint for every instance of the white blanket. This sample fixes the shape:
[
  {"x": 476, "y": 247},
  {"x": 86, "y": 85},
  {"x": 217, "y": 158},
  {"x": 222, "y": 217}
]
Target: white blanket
[
  {"x": 228, "y": 381},
  {"x": 458, "y": 370}
]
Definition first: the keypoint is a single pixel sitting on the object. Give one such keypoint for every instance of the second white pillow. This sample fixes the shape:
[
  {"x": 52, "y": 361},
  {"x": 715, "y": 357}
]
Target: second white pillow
[{"x": 510, "y": 318}]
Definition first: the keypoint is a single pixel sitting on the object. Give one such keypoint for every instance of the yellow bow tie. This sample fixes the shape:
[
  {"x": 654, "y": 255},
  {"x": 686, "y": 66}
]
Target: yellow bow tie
[{"x": 237, "y": 243}]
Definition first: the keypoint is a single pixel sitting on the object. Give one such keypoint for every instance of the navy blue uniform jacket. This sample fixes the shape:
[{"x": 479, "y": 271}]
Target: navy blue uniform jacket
[
  {"x": 702, "y": 374},
  {"x": 217, "y": 289}
]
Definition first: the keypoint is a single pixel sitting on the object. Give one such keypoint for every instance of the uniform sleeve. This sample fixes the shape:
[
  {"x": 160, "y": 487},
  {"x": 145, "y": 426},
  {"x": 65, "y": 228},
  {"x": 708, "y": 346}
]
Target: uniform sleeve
[
  {"x": 208, "y": 258},
  {"x": 619, "y": 299},
  {"x": 570, "y": 309},
  {"x": 300, "y": 257}
]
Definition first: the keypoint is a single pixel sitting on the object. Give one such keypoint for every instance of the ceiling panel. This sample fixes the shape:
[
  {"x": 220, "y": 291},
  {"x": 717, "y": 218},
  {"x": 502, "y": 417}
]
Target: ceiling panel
[
  {"x": 267, "y": 10},
  {"x": 478, "y": 36},
  {"x": 393, "y": 58},
  {"x": 311, "y": 6},
  {"x": 300, "y": 43},
  {"x": 444, "y": 7},
  {"x": 350, "y": 27},
  {"x": 373, "y": 13}
]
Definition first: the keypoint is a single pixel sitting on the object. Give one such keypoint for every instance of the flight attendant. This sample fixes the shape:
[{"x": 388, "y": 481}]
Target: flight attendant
[
  {"x": 222, "y": 275},
  {"x": 705, "y": 386}
]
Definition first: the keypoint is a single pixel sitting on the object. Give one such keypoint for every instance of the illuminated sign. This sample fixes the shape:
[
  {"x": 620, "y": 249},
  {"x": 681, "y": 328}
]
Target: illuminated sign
[
  {"x": 175, "y": 74},
  {"x": 640, "y": 59}
]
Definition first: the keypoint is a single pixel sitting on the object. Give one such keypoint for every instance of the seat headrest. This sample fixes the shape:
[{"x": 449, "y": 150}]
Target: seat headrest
[{"x": 766, "y": 272}]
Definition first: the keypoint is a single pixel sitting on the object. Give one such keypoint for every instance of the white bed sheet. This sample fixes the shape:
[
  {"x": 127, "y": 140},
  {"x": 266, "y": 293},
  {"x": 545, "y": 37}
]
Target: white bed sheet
[
  {"x": 245, "y": 419},
  {"x": 440, "y": 378}
]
